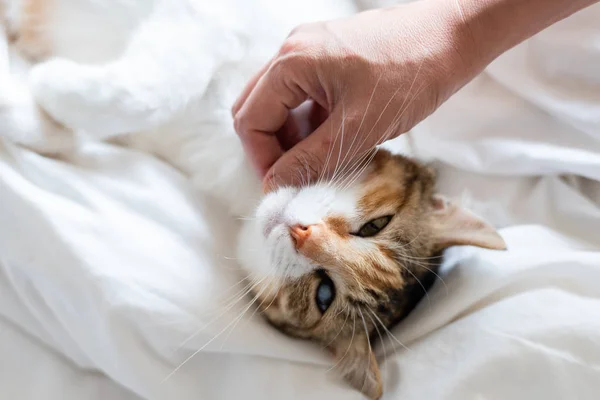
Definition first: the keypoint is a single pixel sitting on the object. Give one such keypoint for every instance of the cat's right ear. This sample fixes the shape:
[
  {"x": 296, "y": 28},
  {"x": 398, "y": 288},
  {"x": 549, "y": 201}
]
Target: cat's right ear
[{"x": 456, "y": 226}]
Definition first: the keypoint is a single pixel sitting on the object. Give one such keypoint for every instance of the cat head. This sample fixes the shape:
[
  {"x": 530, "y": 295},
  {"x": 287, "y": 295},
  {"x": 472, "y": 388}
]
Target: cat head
[{"x": 338, "y": 263}]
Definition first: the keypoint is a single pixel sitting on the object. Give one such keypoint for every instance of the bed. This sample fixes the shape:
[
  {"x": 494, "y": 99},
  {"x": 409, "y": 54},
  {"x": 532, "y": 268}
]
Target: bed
[{"x": 117, "y": 281}]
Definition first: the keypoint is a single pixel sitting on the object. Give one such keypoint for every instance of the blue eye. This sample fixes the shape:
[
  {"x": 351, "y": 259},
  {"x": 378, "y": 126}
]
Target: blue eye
[{"x": 325, "y": 292}]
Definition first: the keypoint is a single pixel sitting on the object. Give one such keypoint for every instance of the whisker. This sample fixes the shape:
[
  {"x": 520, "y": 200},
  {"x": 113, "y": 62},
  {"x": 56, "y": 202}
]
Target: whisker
[
  {"x": 418, "y": 261},
  {"x": 341, "y": 329},
  {"x": 368, "y": 343},
  {"x": 349, "y": 346},
  {"x": 352, "y": 169},
  {"x": 393, "y": 125},
  {"x": 421, "y": 264},
  {"x": 390, "y": 335},
  {"x": 359, "y": 169},
  {"x": 210, "y": 341},
  {"x": 420, "y": 284},
  {"x": 322, "y": 175},
  {"x": 337, "y": 164},
  {"x": 260, "y": 306},
  {"x": 379, "y": 334},
  {"x": 362, "y": 120},
  {"x": 228, "y": 307},
  {"x": 243, "y": 292},
  {"x": 245, "y": 218},
  {"x": 256, "y": 297},
  {"x": 386, "y": 107}
]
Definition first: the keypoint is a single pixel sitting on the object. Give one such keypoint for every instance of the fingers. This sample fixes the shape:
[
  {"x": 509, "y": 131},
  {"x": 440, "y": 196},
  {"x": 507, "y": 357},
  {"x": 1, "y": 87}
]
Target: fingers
[
  {"x": 265, "y": 111},
  {"x": 301, "y": 122},
  {"x": 248, "y": 88},
  {"x": 304, "y": 162},
  {"x": 323, "y": 154},
  {"x": 340, "y": 147}
]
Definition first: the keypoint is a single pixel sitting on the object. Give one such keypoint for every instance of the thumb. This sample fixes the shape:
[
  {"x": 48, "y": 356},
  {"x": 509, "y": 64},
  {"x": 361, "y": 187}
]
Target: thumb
[{"x": 326, "y": 152}]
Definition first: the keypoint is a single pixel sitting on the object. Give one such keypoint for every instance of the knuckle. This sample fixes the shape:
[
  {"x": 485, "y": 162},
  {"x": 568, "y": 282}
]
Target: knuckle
[
  {"x": 328, "y": 141},
  {"x": 292, "y": 46},
  {"x": 296, "y": 30},
  {"x": 286, "y": 72},
  {"x": 301, "y": 28},
  {"x": 292, "y": 61},
  {"x": 302, "y": 40},
  {"x": 351, "y": 122},
  {"x": 281, "y": 65},
  {"x": 353, "y": 118}
]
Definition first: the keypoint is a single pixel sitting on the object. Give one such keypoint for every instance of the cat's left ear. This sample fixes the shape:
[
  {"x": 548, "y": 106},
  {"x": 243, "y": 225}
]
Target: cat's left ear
[
  {"x": 456, "y": 226},
  {"x": 357, "y": 364}
]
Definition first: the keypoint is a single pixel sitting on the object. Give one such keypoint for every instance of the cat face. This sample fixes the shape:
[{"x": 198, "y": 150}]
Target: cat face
[{"x": 339, "y": 264}]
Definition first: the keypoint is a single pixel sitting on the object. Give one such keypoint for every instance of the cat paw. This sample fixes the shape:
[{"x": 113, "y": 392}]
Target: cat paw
[
  {"x": 28, "y": 126},
  {"x": 101, "y": 101},
  {"x": 66, "y": 90}
]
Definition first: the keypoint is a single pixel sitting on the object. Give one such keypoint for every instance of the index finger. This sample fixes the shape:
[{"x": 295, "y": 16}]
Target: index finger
[
  {"x": 248, "y": 88},
  {"x": 264, "y": 113}
]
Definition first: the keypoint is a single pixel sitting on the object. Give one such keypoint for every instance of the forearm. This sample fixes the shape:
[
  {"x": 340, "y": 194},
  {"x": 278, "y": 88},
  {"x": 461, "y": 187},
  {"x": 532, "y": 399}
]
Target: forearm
[{"x": 495, "y": 26}]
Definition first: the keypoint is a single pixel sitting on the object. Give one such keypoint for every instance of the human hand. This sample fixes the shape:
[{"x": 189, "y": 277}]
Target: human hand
[{"x": 369, "y": 78}]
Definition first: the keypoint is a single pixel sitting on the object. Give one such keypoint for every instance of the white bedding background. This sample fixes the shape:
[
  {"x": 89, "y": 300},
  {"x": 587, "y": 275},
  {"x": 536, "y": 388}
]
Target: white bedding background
[{"x": 112, "y": 272}]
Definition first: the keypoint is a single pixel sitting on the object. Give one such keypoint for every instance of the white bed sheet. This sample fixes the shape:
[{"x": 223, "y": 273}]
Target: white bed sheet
[
  {"x": 30, "y": 370},
  {"x": 109, "y": 263}
]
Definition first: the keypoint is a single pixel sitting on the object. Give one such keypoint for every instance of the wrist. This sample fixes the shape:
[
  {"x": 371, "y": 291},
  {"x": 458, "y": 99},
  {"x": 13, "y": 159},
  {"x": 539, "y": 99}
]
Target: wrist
[
  {"x": 461, "y": 54},
  {"x": 484, "y": 29}
]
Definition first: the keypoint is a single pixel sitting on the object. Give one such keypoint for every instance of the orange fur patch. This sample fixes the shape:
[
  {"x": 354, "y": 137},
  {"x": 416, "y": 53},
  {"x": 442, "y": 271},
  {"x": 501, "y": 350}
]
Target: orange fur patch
[
  {"x": 376, "y": 277},
  {"x": 384, "y": 187},
  {"x": 378, "y": 197},
  {"x": 338, "y": 225}
]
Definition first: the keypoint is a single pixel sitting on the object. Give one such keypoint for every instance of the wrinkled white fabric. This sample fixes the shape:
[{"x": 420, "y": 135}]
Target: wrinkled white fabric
[{"x": 109, "y": 264}]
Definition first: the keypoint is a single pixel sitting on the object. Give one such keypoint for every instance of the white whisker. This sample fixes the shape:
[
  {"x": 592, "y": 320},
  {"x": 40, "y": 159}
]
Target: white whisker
[
  {"x": 349, "y": 346},
  {"x": 391, "y": 336},
  {"x": 379, "y": 334},
  {"x": 369, "y": 344}
]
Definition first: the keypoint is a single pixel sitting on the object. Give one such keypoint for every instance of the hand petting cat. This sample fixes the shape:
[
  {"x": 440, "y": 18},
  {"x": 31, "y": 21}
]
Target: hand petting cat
[{"x": 372, "y": 77}]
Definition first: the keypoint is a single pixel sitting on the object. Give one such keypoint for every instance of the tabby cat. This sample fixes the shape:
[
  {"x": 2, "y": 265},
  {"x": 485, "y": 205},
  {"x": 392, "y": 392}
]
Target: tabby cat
[{"x": 339, "y": 259}]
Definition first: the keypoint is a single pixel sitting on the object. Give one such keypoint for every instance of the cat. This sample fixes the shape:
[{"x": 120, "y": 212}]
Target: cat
[{"x": 332, "y": 261}]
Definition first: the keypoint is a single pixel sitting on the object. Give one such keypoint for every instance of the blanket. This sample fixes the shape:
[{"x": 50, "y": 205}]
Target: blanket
[{"x": 117, "y": 281}]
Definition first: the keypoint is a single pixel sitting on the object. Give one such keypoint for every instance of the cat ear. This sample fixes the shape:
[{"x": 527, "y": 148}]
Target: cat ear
[
  {"x": 456, "y": 226},
  {"x": 356, "y": 362}
]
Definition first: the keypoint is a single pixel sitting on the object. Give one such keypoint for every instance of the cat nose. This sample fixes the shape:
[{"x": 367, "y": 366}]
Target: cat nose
[{"x": 299, "y": 234}]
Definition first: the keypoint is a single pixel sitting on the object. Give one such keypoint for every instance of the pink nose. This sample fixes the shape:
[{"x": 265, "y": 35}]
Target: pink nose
[{"x": 299, "y": 234}]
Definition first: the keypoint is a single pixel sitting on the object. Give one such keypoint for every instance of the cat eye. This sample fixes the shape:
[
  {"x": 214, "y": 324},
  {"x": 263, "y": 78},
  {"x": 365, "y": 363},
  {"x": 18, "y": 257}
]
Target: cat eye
[
  {"x": 325, "y": 292},
  {"x": 374, "y": 226}
]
